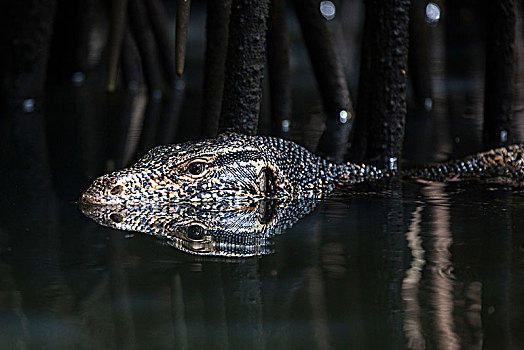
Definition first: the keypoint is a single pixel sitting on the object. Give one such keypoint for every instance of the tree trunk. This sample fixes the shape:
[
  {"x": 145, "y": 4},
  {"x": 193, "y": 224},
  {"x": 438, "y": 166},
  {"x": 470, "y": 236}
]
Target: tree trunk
[
  {"x": 500, "y": 72},
  {"x": 245, "y": 61},
  {"x": 383, "y": 76},
  {"x": 217, "y": 23}
]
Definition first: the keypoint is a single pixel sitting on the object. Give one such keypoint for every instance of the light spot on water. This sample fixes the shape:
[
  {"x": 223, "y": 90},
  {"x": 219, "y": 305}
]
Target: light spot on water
[
  {"x": 78, "y": 78},
  {"x": 180, "y": 84},
  {"x": 343, "y": 116},
  {"x": 132, "y": 86},
  {"x": 28, "y": 105},
  {"x": 432, "y": 13},
  {"x": 285, "y": 125},
  {"x": 392, "y": 163},
  {"x": 328, "y": 10},
  {"x": 156, "y": 95},
  {"x": 503, "y": 136},
  {"x": 428, "y": 104}
]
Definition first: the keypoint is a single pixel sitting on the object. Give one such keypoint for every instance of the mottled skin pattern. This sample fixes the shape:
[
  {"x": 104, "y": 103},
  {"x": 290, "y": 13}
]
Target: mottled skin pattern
[
  {"x": 229, "y": 166},
  {"x": 250, "y": 167},
  {"x": 229, "y": 195},
  {"x": 501, "y": 165},
  {"x": 226, "y": 228}
]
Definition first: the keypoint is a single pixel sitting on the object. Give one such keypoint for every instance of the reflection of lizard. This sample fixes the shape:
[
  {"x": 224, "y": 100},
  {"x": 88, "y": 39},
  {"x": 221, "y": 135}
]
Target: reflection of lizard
[
  {"x": 239, "y": 166},
  {"x": 226, "y": 228}
]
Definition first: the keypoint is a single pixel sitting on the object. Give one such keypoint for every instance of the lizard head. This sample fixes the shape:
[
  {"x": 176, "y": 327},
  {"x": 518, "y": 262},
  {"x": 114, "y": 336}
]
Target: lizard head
[{"x": 230, "y": 165}]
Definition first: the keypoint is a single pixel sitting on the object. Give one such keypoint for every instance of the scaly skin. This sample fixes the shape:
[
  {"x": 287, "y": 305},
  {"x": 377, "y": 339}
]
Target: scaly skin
[
  {"x": 501, "y": 165},
  {"x": 234, "y": 166},
  {"x": 253, "y": 167}
]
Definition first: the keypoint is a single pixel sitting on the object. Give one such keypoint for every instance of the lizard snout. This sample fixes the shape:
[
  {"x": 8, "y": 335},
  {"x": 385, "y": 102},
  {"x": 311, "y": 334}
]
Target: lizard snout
[{"x": 104, "y": 190}]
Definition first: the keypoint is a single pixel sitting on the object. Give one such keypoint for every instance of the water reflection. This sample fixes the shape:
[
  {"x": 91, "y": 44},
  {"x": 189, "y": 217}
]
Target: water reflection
[
  {"x": 410, "y": 295},
  {"x": 227, "y": 228},
  {"x": 456, "y": 265},
  {"x": 408, "y": 267},
  {"x": 440, "y": 268}
]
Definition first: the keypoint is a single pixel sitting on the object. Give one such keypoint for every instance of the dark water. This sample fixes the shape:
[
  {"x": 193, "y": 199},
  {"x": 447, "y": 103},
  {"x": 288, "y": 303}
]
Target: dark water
[
  {"x": 397, "y": 265},
  {"x": 384, "y": 266},
  {"x": 401, "y": 265}
]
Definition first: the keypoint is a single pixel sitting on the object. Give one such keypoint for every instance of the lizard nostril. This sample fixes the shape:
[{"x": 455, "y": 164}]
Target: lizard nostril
[
  {"x": 116, "y": 190},
  {"x": 116, "y": 218}
]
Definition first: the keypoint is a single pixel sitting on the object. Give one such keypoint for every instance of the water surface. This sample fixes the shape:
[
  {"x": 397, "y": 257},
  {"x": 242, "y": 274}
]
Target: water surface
[{"x": 400, "y": 265}]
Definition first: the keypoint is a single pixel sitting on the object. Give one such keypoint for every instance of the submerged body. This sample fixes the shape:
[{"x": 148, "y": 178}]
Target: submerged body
[{"x": 240, "y": 166}]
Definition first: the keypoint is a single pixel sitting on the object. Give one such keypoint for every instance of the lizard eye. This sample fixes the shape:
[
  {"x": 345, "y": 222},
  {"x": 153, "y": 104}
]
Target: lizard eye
[
  {"x": 196, "y": 168},
  {"x": 195, "y": 232}
]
